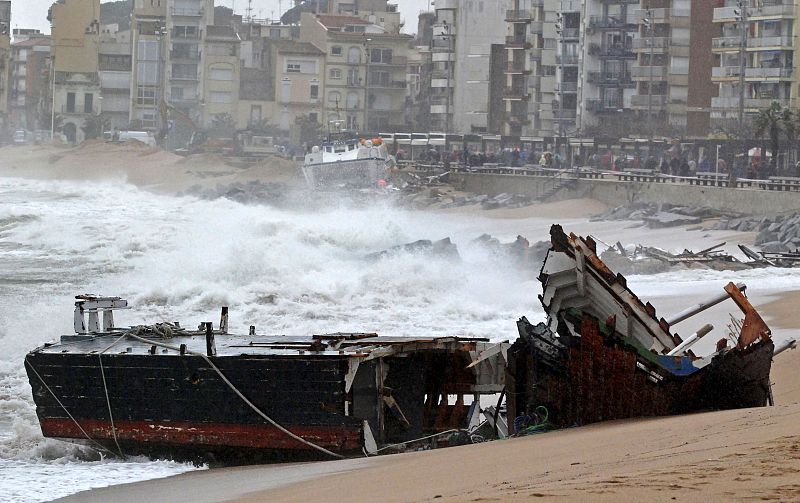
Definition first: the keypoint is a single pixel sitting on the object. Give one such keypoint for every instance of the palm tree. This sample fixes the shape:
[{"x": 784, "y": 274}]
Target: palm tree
[{"x": 775, "y": 122}]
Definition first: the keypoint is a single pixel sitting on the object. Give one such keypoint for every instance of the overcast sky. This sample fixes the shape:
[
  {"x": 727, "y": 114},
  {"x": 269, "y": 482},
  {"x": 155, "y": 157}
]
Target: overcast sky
[{"x": 33, "y": 13}]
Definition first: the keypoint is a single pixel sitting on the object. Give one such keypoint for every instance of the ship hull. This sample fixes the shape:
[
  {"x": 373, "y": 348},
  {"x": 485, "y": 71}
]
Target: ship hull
[
  {"x": 178, "y": 406},
  {"x": 599, "y": 377},
  {"x": 356, "y": 173}
]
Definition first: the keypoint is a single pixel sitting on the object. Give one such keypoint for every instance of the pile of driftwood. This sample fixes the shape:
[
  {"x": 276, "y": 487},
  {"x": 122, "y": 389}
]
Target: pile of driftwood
[{"x": 650, "y": 260}]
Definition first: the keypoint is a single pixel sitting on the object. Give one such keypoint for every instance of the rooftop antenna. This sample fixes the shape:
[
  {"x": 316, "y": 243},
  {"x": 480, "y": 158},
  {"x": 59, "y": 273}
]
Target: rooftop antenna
[{"x": 249, "y": 11}]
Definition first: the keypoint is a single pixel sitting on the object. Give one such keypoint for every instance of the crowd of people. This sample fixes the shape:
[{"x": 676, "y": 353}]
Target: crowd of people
[{"x": 673, "y": 161}]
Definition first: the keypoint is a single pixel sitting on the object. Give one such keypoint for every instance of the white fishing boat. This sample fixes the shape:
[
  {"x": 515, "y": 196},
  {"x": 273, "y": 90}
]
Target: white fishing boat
[{"x": 352, "y": 163}]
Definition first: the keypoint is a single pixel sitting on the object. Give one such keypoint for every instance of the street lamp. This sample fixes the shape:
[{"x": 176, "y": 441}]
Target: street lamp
[
  {"x": 560, "y": 32},
  {"x": 649, "y": 26},
  {"x": 366, "y": 85},
  {"x": 740, "y": 13},
  {"x": 449, "y": 37}
]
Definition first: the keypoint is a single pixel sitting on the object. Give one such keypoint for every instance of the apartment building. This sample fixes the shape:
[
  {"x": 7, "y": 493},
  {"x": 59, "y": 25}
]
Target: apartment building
[
  {"x": 75, "y": 29},
  {"x": 5, "y": 64},
  {"x": 221, "y": 74},
  {"x": 169, "y": 67},
  {"x": 768, "y": 56},
  {"x": 607, "y": 71},
  {"x": 673, "y": 69},
  {"x": 29, "y": 98},
  {"x": 366, "y": 58},
  {"x": 299, "y": 80},
  {"x": 464, "y": 36},
  {"x": 114, "y": 67}
]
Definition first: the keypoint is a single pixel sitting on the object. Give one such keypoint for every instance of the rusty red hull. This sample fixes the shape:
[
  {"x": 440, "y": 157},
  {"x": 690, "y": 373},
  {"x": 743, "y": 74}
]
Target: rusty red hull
[
  {"x": 205, "y": 436},
  {"x": 598, "y": 377}
]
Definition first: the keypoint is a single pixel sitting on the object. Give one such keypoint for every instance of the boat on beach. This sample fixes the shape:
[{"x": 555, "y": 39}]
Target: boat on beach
[
  {"x": 352, "y": 164},
  {"x": 205, "y": 394}
]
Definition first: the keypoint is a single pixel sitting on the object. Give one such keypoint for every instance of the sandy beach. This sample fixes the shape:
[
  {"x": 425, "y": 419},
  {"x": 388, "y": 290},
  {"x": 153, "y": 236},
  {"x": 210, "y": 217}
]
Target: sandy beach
[{"x": 738, "y": 455}]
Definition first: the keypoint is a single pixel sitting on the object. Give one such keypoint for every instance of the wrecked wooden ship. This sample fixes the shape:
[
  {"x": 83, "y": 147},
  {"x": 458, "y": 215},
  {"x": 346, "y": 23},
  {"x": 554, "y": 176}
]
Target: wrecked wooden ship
[
  {"x": 604, "y": 354},
  {"x": 206, "y": 394}
]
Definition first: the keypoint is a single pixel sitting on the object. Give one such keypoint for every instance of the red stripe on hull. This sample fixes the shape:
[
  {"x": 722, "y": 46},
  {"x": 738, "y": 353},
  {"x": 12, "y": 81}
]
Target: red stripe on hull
[{"x": 256, "y": 436}]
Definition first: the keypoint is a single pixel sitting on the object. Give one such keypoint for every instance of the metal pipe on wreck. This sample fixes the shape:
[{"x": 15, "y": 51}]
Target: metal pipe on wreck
[
  {"x": 683, "y": 346},
  {"x": 792, "y": 344},
  {"x": 699, "y": 308}
]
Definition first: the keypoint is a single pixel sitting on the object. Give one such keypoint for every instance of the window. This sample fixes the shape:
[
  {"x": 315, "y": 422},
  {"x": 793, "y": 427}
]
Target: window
[
  {"x": 191, "y": 32},
  {"x": 354, "y": 55},
  {"x": 313, "y": 117},
  {"x": 335, "y": 74},
  {"x": 379, "y": 78},
  {"x": 88, "y": 103},
  {"x": 274, "y": 33},
  {"x": 221, "y": 97},
  {"x": 334, "y": 98},
  {"x": 70, "y": 102},
  {"x": 221, "y": 74},
  {"x": 145, "y": 95},
  {"x": 176, "y": 93},
  {"x": 381, "y": 56},
  {"x": 314, "y": 92},
  {"x": 336, "y": 50},
  {"x": 184, "y": 71}
]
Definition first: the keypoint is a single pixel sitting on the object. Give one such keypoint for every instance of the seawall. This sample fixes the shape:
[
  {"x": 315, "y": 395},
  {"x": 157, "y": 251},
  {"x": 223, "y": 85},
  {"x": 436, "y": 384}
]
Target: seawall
[{"x": 750, "y": 201}]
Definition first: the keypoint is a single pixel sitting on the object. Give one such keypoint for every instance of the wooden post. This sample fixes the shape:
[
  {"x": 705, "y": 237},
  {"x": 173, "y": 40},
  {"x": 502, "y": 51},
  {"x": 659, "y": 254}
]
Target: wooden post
[{"x": 211, "y": 348}]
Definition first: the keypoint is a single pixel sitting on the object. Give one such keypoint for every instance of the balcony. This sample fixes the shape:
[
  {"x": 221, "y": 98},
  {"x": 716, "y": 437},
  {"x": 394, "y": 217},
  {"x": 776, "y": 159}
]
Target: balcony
[
  {"x": 767, "y": 9},
  {"x": 731, "y": 44},
  {"x": 185, "y": 55},
  {"x": 66, "y": 110},
  {"x": 187, "y": 11},
  {"x": 567, "y": 59},
  {"x": 565, "y": 115},
  {"x": 571, "y": 33},
  {"x": 661, "y": 15},
  {"x": 615, "y": 51},
  {"x": 643, "y": 101},
  {"x": 659, "y": 45},
  {"x": 567, "y": 87},
  {"x": 393, "y": 61},
  {"x": 768, "y": 73},
  {"x": 657, "y": 72},
  {"x": 603, "y": 106},
  {"x": 519, "y": 16},
  {"x": 179, "y": 35},
  {"x": 571, "y": 5},
  {"x": 516, "y": 93},
  {"x": 518, "y": 67},
  {"x": 518, "y": 42},
  {"x": 612, "y": 23},
  {"x": 184, "y": 77},
  {"x": 732, "y": 102},
  {"x": 393, "y": 85},
  {"x": 610, "y": 79}
]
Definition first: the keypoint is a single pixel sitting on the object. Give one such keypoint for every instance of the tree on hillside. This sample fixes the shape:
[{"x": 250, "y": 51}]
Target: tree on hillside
[{"x": 775, "y": 122}]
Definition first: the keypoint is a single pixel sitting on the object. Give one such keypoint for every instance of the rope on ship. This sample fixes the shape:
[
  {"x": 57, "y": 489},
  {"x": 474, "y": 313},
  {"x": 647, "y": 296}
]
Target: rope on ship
[
  {"x": 162, "y": 329},
  {"x": 108, "y": 400},
  {"x": 88, "y": 437}
]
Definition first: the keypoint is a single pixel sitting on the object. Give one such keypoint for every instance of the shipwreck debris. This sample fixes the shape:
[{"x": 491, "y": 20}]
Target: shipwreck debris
[{"x": 604, "y": 354}]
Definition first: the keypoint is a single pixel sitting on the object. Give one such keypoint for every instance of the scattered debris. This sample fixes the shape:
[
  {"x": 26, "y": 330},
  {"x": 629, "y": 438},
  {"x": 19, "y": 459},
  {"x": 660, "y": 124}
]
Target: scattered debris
[{"x": 656, "y": 216}]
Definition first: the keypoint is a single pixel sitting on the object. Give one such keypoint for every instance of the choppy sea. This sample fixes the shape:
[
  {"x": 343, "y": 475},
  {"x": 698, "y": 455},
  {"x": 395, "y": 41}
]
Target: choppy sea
[{"x": 286, "y": 271}]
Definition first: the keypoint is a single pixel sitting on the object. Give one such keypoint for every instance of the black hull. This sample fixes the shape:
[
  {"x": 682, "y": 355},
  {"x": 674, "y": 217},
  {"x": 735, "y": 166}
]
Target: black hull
[{"x": 179, "y": 407}]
